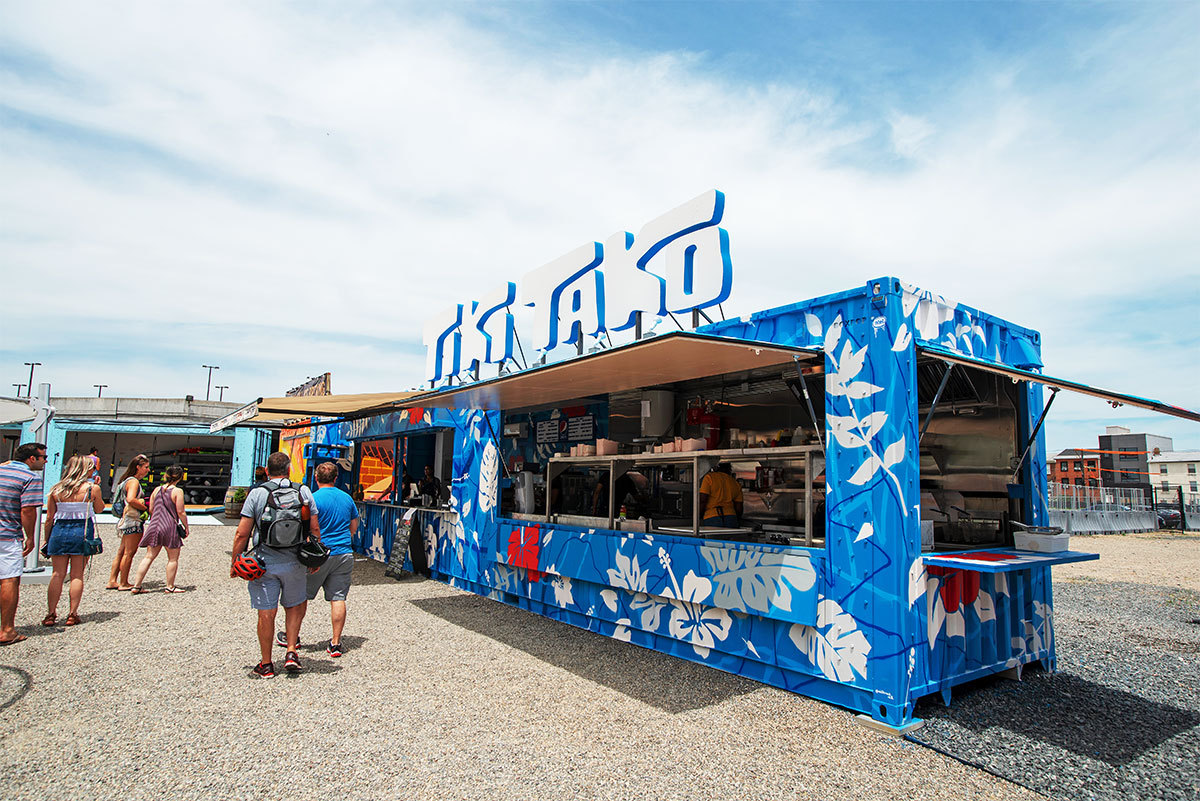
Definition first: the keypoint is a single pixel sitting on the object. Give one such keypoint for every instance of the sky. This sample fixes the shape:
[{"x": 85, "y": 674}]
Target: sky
[{"x": 286, "y": 189}]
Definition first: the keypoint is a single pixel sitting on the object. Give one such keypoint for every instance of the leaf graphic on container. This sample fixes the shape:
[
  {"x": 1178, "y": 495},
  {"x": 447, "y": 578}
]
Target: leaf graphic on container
[
  {"x": 833, "y": 335},
  {"x": 756, "y": 580},
  {"x": 489, "y": 477},
  {"x": 903, "y": 338},
  {"x": 866, "y": 471},
  {"x": 835, "y": 645},
  {"x": 894, "y": 453},
  {"x": 840, "y": 428},
  {"x": 917, "y": 578},
  {"x": 814, "y": 324},
  {"x": 851, "y": 363},
  {"x": 985, "y": 607},
  {"x": 861, "y": 389},
  {"x": 865, "y": 533}
]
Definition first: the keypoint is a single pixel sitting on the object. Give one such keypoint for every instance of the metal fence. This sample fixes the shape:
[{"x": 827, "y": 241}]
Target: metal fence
[{"x": 1086, "y": 510}]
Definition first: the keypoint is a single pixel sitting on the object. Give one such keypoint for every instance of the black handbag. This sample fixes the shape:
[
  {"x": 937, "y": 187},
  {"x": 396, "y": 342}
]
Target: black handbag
[{"x": 92, "y": 544}]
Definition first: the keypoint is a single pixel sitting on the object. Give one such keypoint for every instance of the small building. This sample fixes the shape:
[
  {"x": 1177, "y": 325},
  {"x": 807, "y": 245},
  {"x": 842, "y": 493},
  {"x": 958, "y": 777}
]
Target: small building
[
  {"x": 168, "y": 430},
  {"x": 1125, "y": 458},
  {"x": 1074, "y": 466},
  {"x": 1171, "y": 471}
]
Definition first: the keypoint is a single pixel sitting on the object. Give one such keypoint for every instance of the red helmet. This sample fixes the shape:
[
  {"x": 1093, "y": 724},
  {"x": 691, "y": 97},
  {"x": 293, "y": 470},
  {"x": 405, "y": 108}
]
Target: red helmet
[{"x": 249, "y": 566}]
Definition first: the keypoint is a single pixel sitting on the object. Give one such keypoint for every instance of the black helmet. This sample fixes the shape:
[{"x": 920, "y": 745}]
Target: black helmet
[{"x": 312, "y": 553}]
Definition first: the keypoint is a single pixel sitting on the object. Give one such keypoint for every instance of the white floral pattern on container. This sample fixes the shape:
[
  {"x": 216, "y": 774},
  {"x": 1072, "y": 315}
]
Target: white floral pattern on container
[
  {"x": 489, "y": 477},
  {"x": 757, "y": 580},
  {"x": 835, "y": 646},
  {"x": 693, "y": 622}
]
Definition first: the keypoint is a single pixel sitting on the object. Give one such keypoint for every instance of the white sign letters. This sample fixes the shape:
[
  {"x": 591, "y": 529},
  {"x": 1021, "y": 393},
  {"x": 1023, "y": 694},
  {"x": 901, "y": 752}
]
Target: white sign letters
[{"x": 675, "y": 263}]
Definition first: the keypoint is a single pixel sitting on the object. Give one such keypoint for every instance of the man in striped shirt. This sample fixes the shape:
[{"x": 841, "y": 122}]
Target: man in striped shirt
[{"x": 20, "y": 499}]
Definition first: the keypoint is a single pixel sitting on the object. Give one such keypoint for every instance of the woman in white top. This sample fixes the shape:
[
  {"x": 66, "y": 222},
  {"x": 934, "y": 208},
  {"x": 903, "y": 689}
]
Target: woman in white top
[
  {"x": 129, "y": 528},
  {"x": 70, "y": 519}
]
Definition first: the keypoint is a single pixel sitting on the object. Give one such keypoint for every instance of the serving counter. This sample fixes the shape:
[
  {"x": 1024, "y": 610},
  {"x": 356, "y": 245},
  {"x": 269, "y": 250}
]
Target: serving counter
[{"x": 699, "y": 463}]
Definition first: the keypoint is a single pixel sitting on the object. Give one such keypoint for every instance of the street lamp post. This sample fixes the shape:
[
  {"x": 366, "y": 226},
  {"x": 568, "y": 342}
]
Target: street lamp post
[
  {"x": 31, "y": 365},
  {"x": 222, "y": 387},
  {"x": 19, "y": 388},
  {"x": 208, "y": 389},
  {"x": 99, "y": 388}
]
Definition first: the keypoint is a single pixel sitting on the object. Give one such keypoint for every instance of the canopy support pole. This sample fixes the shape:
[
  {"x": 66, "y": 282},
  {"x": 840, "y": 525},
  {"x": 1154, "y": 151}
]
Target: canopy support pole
[
  {"x": 937, "y": 396},
  {"x": 812, "y": 415},
  {"x": 1036, "y": 428}
]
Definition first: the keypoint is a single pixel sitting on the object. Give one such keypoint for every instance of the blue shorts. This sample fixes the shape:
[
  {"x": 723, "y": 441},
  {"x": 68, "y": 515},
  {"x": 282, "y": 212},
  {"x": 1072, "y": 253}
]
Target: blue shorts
[{"x": 281, "y": 585}]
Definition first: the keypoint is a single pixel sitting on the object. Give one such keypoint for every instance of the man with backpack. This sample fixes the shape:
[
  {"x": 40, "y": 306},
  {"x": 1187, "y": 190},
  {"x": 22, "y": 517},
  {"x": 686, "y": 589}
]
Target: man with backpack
[{"x": 277, "y": 518}]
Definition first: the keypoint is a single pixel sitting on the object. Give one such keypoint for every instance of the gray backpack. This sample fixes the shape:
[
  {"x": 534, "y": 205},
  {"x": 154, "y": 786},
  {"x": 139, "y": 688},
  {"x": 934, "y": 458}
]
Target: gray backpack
[{"x": 281, "y": 524}]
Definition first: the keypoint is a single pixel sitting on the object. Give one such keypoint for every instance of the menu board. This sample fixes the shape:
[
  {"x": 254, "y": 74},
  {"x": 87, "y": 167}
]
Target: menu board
[
  {"x": 395, "y": 563},
  {"x": 567, "y": 429}
]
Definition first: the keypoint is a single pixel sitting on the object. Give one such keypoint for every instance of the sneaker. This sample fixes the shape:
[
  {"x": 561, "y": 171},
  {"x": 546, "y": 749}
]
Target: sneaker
[
  {"x": 265, "y": 670},
  {"x": 281, "y": 639},
  {"x": 292, "y": 663},
  {"x": 334, "y": 649}
]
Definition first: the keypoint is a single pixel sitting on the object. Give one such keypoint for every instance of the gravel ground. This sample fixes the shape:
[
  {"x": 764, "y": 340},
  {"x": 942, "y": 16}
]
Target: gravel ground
[
  {"x": 1121, "y": 718},
  {"x": 441, "y": 694}
]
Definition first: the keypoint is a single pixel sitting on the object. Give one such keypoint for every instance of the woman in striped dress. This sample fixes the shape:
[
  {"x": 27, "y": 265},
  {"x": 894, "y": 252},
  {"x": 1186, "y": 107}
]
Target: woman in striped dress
[{"x": 162, "y": 531}]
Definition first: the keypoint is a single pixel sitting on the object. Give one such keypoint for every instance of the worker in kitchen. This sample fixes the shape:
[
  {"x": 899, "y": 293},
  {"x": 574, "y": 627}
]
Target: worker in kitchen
[{"x": 720, "y": 498}]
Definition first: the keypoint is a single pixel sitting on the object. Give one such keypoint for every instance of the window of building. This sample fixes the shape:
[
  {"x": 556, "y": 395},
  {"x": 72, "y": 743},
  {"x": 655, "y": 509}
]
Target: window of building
[
  {"x": 1128, "y": 454},
  {"x": 1077, "y": 467},
  {"x": 1166, "y": 485},
  {"x": 1191, "y": 469},
  {"x": 1162, "y": 468},
  {"x": 1129, "y": 478},
  {"x": 1193, "y": 486}
]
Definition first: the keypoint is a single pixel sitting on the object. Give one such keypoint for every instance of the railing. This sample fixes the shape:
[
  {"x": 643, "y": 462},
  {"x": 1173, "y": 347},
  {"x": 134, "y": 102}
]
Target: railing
[{"x": 1084, "y": 510}]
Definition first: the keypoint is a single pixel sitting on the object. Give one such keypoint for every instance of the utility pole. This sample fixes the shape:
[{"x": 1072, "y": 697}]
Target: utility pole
[
  {"x": 31, "y": 365},
  {"x": 19, "y": 388},
  {"x": 222, "y": 387},
  {"x": 99, "y": 388},
  {"x": 208, "y": 390}
]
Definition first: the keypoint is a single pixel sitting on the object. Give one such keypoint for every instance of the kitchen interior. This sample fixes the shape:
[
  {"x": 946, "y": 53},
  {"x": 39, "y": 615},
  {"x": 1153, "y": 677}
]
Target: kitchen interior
[
  {"x": 662, "y": 439},
  {"x": 969, "y": 451}
]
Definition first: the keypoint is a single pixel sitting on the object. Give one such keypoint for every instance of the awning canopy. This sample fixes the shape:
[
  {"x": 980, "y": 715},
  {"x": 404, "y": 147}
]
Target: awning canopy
[
  {"x": 679, "y": 356},
  {"x": 277, "y": 412},
  {"x": 1018, "y": 374}
]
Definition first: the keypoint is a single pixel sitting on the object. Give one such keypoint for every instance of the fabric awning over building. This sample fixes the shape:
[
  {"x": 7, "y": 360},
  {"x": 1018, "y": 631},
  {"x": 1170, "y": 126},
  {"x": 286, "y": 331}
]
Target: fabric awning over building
[
  {"x": 680, "y": 356},
  {"x": 276, "y": 412},
  {"x": 1018, "y": 374}
]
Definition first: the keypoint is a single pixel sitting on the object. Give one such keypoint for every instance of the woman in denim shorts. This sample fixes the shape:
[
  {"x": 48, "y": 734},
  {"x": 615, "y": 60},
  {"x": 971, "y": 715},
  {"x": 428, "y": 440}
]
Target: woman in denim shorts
[{"x": 70, "y": 519}]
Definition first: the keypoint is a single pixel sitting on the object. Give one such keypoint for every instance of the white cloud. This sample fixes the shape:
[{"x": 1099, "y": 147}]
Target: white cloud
[{"x": 350, "y": 172}]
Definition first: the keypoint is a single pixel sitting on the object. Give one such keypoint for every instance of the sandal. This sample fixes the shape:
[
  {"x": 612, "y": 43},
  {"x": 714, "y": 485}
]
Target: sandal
[
  {"x": 172, "y": 589},
  {"x": 72, "y": 620},
  {"x": 136, "y": 590},
  {"x": 50, "y": 619}
]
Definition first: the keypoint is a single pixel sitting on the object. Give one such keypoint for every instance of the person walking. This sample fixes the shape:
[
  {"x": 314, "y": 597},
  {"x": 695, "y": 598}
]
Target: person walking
[
  {"x": 337, "y": 516},
  {"x": 129, "y": 527},
  {"x": 71, "y": 509},
  {"x": 20, "y": 500},
  {"x": 167, "y": 527},
  {"x": 94, "y": 457},
  {"x": 284, "y": 581}
]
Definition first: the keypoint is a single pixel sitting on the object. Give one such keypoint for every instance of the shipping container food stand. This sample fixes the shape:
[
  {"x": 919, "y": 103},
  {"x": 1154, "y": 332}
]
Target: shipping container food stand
[{"x": 896, "y": 578}]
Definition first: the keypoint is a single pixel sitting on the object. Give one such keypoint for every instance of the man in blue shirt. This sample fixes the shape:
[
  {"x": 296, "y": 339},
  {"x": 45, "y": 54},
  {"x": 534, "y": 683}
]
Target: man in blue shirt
[{"x": 338, "y": 516}]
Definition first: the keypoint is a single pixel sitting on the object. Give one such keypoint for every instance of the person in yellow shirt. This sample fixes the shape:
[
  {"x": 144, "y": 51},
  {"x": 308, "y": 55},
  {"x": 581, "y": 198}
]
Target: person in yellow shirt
[{"x": 720, "y": 498}]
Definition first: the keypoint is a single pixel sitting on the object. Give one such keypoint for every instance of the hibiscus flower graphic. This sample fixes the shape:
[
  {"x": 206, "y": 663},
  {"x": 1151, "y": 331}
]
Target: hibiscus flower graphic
[{"x": 523, "y": 546}]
